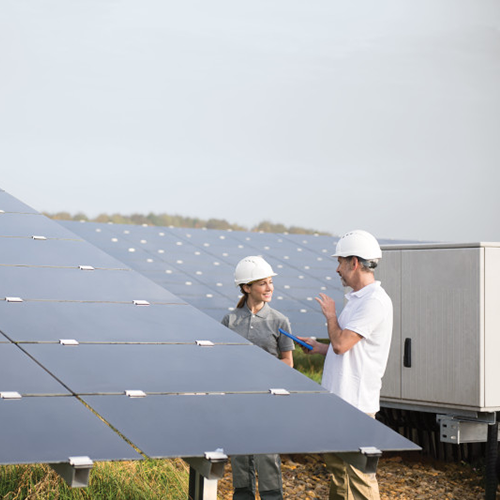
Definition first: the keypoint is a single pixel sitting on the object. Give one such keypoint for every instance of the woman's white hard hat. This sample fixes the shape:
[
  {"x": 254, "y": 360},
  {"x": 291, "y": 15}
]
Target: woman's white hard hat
[
  {"x": 358, "y": 243},
  {"x": 252, "y": 268}
]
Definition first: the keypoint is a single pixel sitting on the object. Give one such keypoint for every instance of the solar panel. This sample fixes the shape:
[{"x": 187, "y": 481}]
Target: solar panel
[
  {"x": 169, "y": 369},
  {"x": 198, "y": 265},
  {"x": 10, "y": 204},
  {"x": 21, "y": 374},
  {"x": 159, "y": 371},
  {"x": 49, "y": 321},
  {"x": 15, "y": 224},
  {"x": 53, "y": 429},
  {"x": 64, "y": 283},
  {"x": 174, "y": 423},
  {"x": 54, "y": 252}
]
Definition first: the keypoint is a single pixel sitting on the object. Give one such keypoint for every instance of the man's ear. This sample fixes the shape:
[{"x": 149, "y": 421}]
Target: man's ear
[{"x": 354, "y": 262}]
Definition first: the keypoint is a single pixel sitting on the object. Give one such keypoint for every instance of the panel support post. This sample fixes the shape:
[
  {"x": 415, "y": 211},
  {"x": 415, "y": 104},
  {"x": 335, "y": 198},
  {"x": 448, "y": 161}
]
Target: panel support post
[
  {"x": 204, "y": 474},
  {"x": 201, "y": 488},
  {"x": 75, "y": 472}
]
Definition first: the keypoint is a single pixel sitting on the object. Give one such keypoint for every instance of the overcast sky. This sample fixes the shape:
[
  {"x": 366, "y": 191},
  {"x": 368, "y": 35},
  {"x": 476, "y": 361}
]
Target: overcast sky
[{"x": 333, "y": 115}]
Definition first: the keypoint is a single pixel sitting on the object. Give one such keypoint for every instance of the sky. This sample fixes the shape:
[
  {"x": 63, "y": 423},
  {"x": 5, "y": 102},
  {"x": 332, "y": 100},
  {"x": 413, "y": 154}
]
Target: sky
[{"x": 332, "y": 115}]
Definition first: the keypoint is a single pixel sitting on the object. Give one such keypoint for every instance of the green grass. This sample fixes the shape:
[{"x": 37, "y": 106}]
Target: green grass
[
  {"x": 146, "y": 479},
  {"x": 309, "y": 365}
]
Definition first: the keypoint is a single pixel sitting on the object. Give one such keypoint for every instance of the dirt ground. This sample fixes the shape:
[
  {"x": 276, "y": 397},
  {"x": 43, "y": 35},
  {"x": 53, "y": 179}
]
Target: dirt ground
[{"x": 403, "y": 477}]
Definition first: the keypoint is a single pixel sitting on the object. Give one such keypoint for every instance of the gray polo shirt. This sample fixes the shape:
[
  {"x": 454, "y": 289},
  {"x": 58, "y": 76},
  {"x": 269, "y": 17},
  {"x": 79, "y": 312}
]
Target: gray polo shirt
[{"x": 262, "y": 328}]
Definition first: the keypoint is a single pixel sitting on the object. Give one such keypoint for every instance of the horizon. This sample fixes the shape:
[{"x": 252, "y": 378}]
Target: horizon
[{"x": 328, "y": 115}]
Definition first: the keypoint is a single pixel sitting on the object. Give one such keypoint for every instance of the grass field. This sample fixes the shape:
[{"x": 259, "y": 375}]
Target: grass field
[
  {"x": 147, "y": 479},
  {"x": 311, "y": 366}
]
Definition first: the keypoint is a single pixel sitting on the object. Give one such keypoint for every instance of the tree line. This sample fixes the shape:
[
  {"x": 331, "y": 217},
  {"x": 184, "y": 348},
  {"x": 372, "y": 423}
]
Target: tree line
[{"x": 167, "y": 220}]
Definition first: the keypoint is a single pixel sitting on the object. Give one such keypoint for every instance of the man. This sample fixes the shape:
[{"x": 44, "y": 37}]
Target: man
[{"x": 359, "y": 347}]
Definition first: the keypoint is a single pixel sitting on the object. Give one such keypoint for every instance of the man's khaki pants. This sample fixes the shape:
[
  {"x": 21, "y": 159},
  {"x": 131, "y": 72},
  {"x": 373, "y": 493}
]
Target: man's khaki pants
[{"x": 349, "y": 483}]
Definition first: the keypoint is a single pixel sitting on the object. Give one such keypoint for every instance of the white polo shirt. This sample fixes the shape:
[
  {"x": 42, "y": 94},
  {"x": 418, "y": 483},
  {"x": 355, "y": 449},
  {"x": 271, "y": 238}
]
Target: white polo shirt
[{"x": 356, "y": 376}]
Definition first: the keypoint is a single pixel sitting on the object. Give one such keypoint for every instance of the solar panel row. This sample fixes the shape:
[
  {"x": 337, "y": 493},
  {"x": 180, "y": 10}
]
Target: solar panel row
[
  {"x": 198, "y": 265},
  {"x": 82, "y": 331}
]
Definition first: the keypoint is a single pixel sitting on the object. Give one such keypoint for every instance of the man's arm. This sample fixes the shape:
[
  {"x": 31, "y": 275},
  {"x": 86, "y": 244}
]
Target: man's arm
[{"x": 341, "y": 340}]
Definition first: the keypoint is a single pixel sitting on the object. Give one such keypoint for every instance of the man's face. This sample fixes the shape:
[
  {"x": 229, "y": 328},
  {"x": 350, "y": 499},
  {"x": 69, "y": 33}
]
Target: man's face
[{"x": 344, "y": 270}]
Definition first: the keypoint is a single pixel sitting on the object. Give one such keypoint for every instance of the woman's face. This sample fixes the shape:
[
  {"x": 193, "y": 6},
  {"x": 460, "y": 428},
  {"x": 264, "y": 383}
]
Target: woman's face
[{"x": 260, "y": 290}]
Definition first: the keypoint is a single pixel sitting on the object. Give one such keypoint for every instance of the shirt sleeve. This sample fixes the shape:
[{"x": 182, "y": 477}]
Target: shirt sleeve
[
  {"x": 285, "y": 343},
  {"x": 365, "y": 318}
]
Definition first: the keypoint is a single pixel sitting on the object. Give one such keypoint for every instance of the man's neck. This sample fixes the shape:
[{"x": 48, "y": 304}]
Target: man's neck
[{"x": 365, "y": 279}]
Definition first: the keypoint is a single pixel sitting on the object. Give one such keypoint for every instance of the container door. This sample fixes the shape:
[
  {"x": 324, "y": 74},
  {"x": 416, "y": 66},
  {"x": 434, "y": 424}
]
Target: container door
[{"x": 441, "y": 318}]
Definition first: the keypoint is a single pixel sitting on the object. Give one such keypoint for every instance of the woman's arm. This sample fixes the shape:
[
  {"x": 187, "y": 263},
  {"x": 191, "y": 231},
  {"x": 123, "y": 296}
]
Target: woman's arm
[{"x": 287, "y": 358}]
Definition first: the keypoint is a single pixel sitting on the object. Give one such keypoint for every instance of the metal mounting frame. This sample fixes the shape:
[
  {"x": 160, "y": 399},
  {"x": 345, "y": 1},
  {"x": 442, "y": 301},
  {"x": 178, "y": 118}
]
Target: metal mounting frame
[
  {"x": 204, "y": 474},
  {"x": 457, "y": 430},
  {"x": 75, "y": 472},
  {"x": 366, "y": 460}
]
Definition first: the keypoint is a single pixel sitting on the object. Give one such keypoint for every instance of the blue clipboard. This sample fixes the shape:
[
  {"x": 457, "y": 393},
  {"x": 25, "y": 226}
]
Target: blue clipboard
[{"x": 293, "y": 337}]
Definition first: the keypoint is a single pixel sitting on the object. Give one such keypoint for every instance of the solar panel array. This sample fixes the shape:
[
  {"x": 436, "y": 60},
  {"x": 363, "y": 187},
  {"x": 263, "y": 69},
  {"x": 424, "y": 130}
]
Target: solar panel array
[
  {"x": 198, "y": 265},
  {"x": 82, "y": 334},
  {"x": 43, "y": 421}
]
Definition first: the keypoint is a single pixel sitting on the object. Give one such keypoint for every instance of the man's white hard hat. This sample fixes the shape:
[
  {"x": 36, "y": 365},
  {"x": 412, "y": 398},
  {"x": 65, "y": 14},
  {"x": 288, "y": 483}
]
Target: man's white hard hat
[
  {"x": 358, "y": 243},
  {"x": 252, "y": 268}
]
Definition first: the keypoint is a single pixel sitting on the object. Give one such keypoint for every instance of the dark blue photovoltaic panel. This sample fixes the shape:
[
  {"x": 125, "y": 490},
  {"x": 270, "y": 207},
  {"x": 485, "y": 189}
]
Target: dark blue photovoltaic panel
[
  {"x": 190, "y": 289},
  {"x": 102, "y": 233},
  {"x": 167, "y": 368},
  {"x": 74, "y": 284},
  {"x": 211, "y": 304},
  {"x": 19, "y": 373},
  {"x": 55, "y": 252},
  {"x": 52, "y": 429},
  {"x": 109, "y": 322},
  {"x": 10, "y": 204},
  {"x": 15, "y": 224},
  {"x": 298, "y": 424},
  {"x": 152, "y": 348},
  {"x": 198, "y": 266},
  {"x": 170, "y": 274},
  {"x": 206, "y": 272},
  {"x": 292, "y": 294}
]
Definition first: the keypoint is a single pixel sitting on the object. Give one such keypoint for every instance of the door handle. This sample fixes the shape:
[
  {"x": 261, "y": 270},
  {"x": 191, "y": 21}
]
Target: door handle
[{"x": 407, "y": 354}]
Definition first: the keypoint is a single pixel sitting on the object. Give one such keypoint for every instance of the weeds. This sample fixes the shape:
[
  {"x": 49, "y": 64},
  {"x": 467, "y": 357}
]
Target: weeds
[
  {"x": 309, "y": 365},
  {"x": 140, "y": 480}
]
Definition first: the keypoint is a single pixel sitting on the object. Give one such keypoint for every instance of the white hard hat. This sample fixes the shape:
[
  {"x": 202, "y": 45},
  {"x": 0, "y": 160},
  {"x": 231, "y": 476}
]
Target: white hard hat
[
  {"x": 250, "y": 269},
  {"x": 360, "y": 244}
]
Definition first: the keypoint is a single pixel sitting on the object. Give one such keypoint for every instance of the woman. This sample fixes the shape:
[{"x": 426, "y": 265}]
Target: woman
[{"x": 254, "y": 319}]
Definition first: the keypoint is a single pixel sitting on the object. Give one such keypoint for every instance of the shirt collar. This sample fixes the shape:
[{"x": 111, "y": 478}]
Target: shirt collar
[
  {"x": 366, "y": 289},
  {"x": 263, "y": 313}
]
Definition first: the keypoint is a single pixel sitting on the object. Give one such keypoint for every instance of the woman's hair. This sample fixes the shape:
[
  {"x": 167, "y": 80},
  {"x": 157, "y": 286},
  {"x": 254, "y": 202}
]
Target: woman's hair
[{"x": 244, "y": 297}]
